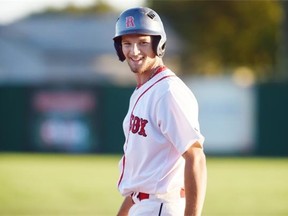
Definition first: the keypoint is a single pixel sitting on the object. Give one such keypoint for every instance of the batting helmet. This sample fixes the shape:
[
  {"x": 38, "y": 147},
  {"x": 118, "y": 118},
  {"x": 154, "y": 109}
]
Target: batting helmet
[{"x": 140, "y": 20}]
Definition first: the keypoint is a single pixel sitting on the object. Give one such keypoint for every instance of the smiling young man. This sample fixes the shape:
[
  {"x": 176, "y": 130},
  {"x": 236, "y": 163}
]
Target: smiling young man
[{"x": 163, "y": 169}]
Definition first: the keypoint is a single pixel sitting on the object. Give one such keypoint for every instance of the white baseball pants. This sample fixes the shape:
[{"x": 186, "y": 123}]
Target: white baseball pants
[
  {"x": 157, "y": 208},
  {"x": 159, "y": 205}
]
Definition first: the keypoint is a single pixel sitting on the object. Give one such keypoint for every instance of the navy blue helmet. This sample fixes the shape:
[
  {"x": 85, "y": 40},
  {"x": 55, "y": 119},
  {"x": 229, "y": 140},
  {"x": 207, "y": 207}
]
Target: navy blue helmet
[{"x": 144, "y": 21}]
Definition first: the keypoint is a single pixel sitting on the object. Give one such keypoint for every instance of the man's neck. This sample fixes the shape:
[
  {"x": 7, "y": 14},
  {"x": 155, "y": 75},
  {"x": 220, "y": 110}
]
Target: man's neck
[{"x": 146, "y": 76}]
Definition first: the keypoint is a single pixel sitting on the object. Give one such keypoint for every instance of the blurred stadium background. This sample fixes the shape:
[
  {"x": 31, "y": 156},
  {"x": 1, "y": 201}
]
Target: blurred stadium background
[{"x": 62, "y": 90}]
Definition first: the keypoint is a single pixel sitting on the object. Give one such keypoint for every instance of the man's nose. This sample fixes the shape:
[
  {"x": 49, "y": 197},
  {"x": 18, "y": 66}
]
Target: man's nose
[{"x": 135, "y": 49}]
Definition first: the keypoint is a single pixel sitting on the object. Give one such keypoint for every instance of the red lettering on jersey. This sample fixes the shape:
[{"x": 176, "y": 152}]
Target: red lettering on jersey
[
  {"x": 142, "y": 131},
  {"x": 137, "y": 125},
  {"x": 130, "y": 22}
]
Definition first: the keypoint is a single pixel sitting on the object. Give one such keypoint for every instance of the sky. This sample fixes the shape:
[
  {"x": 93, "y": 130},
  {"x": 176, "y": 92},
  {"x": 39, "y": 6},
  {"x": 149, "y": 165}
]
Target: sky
[{"x": 13, "y": 10}]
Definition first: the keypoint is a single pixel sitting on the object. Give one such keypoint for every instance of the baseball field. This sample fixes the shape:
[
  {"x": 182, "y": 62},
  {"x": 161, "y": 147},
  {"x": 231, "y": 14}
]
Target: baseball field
[{"x": 59, "y": 184}]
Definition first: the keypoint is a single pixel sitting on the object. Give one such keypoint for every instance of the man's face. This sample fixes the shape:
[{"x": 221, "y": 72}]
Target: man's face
[{"x": 138, "y": 52}]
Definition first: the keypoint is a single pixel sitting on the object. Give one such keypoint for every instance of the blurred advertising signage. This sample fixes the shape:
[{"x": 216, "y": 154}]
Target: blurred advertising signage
[
  {"x": 226, "y": 114},
  {"x": 64, "y": 120},
  {"x": 64, "y": 101}
]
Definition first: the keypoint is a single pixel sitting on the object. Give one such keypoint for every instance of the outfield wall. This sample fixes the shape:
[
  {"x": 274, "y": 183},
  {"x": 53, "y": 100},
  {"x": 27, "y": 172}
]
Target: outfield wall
[
  {"x": 70, "y": 118},
  {"x": 78, "y": 118},
  {"x": 272, "y": 115}
]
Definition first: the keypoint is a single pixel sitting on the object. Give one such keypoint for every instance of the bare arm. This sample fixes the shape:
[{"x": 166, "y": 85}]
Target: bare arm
[
  {"x": 195, "y": 179},
  {"x": 125, "y": 207}
]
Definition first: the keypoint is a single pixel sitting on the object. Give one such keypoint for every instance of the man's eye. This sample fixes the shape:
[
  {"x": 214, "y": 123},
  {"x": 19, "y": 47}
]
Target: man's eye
[{"x": 125, "y": 44}]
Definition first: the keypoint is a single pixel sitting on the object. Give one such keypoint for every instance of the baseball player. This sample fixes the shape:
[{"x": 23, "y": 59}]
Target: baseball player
[{"x": 163, "y": 169}]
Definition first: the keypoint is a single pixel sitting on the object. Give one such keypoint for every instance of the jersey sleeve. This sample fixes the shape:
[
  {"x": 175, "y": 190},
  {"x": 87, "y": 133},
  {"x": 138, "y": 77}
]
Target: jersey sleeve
[{"x": 177, "y": 118}]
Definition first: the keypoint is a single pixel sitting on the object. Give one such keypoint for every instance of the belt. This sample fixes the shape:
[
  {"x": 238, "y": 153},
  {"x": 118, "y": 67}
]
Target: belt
[{"x": 142, "y": 196}]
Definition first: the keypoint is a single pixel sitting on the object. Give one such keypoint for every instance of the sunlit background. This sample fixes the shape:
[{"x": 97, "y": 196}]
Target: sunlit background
[
  {"x": 63, "y": 90},
  {"x": 13, "y": 10}
]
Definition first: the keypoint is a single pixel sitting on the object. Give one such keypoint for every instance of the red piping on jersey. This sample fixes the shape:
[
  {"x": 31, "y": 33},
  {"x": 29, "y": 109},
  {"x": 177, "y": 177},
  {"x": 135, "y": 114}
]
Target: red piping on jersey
[
  {"x": 159, "y": 69},
  {"x": 123, "y": 168},
  {"x": 124, "y": 158}
]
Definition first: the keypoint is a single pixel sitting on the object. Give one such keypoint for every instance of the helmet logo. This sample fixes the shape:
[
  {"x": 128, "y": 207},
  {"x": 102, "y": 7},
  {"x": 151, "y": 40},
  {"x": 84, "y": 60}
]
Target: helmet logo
[{"x": 130, "y": 22}]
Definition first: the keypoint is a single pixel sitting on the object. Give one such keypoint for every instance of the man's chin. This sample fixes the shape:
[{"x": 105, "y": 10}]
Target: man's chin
[{"x": 135, "y": 69}]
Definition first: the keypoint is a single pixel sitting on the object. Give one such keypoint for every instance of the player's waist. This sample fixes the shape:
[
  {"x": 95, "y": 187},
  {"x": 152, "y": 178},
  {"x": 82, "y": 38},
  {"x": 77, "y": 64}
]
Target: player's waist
[{"x": 165, "y": 197}]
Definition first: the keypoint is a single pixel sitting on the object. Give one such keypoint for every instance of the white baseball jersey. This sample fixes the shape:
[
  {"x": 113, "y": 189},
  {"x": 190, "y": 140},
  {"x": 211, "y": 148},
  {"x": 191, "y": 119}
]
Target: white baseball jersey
[{"x": 161, "y": 124}]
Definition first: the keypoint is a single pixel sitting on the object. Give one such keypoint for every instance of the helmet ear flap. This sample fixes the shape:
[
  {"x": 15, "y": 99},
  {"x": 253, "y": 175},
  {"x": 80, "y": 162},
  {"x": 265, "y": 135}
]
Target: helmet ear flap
[
  {"x": 158, "y": 47},
  {"x": 118, "y": 48}
]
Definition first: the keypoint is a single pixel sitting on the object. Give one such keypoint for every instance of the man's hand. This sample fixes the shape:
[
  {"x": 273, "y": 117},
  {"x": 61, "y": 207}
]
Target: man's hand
[{"x": 125, "y": 207}]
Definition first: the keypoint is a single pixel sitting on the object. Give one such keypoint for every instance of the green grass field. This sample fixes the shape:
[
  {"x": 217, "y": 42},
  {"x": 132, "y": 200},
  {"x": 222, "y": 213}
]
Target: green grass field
[{"x": 39, "y": 184}]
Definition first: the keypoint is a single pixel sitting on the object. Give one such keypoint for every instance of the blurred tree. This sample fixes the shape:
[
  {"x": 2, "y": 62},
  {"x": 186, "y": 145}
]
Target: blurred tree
[
  {"x": 225, "y": 34},
  {"x": 283, "y": 58}
]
